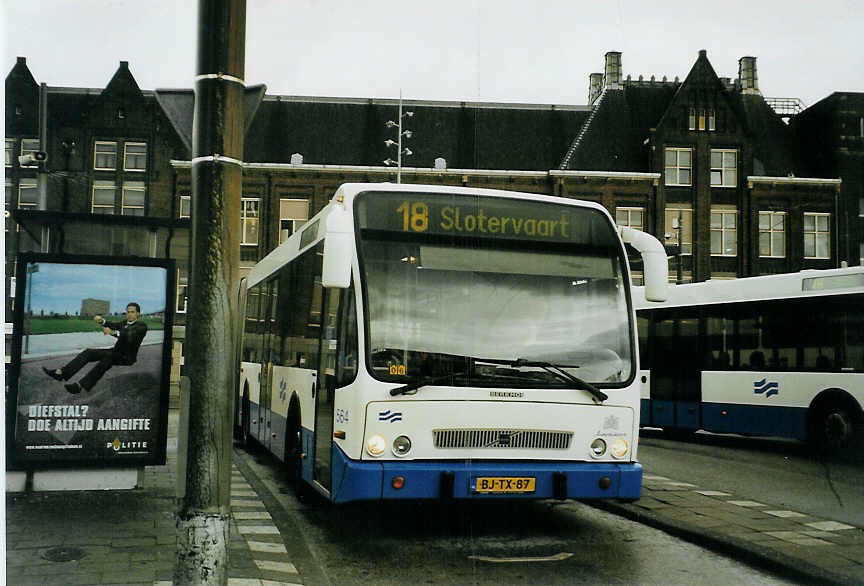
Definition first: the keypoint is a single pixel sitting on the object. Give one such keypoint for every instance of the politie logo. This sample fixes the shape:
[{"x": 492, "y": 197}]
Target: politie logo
[
  {"x": 761, "y": 387},
  {"x": 283, "y": 390},
  {"x": 391, "y": 416}
]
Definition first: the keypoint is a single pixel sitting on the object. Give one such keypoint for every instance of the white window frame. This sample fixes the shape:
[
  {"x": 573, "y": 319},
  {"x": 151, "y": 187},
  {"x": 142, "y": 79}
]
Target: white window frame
[
  {"x": 671, "y": 212},
  {"x": 771, "y": 215},
  {"x": 98, "y": 184},
  {"x": 133, "y": 186},
  {"x": 726, "y": 232},
  {"x": 134, "y": 158},
  {"x": 188, "y": 200},
  {"x": 182, "y": 291},
  {"x": 10, "y": 151},
  {"x": 28, "y": 184},
  {"x": 816, "y": 234},
  {"x": 28, "y": 147},
  {"x": 97, "y": 154},
  {"x": 677, "y": 167},
  {"x": 723, "y": 170},
  {"x": 296, "y": 222},
  {"x": 245, "y": 218},
  {"x": 628, "y": 213}
]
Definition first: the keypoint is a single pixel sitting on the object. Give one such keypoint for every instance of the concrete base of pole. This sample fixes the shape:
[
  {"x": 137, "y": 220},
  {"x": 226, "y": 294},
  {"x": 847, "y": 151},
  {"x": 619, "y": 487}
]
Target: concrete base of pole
[{"x": 202, "y": 549}]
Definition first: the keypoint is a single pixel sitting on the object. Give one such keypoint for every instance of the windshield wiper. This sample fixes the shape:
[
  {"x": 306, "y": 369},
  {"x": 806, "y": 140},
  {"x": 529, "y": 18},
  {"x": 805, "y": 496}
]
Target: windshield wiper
[
  {"x": 555, "y": 369},
  {"x": 424, "y": 382}
]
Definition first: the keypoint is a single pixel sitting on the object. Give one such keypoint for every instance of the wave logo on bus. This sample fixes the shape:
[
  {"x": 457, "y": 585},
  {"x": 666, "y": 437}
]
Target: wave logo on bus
[
  {"x": 391, "y": 416},
  {"x": 767, "y": 388}
]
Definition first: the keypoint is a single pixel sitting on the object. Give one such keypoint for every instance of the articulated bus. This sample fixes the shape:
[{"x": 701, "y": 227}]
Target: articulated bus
[
  {"x": 420, "y": 342},
  {"x": 779, "y": 355}
]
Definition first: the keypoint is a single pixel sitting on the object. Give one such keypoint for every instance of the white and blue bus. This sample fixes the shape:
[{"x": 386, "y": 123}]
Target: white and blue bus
[
  {"x": 435, "y": 342},
  {"x": 778, "y": 355}
]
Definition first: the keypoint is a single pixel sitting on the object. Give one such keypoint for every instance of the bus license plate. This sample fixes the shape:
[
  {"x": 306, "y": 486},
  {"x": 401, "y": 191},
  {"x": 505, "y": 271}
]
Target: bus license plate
[{"x": 495, "y": 484}]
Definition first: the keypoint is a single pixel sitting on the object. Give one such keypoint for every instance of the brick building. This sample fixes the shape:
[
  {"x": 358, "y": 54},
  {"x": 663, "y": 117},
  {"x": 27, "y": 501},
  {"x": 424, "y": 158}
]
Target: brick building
[{"x": 704, "y": 162}]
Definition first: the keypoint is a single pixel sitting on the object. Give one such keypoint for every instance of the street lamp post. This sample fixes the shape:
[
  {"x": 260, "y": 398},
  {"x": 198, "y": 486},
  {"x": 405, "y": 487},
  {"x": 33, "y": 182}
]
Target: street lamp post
[{"x": 398, "y": 142}]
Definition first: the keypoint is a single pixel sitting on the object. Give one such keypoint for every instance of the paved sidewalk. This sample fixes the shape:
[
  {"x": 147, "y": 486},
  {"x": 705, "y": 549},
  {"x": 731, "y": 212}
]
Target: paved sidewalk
[
  {"x": 814, "y": 550},
  {"x": 128, "y": 536}
]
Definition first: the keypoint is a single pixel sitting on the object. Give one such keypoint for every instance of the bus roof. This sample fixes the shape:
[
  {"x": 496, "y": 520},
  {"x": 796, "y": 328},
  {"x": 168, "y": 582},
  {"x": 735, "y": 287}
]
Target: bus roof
[{"x": 781, "y": 286}]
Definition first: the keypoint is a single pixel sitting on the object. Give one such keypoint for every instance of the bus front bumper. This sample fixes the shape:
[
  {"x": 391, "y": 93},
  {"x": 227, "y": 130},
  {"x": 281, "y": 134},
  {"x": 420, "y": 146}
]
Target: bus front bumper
[{"x": 457, "y": 479}]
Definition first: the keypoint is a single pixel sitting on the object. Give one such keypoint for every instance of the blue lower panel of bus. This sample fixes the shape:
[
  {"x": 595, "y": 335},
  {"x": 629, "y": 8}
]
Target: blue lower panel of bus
[
  {"x": 353, "y": 480},
  {"x": 788, "y": 422}
]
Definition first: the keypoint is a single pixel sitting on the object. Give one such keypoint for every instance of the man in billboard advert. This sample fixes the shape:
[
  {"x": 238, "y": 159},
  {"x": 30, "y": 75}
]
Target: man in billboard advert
[{"x": 129, "y": 333}]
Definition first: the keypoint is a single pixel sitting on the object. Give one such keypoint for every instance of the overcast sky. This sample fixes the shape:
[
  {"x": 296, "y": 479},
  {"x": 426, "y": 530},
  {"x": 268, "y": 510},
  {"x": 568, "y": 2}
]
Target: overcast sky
[{"x": 486, "y": 50}]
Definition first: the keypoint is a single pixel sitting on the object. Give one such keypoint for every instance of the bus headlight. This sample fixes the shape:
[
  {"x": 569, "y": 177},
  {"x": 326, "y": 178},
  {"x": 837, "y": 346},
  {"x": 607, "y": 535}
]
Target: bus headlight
[
  {"x": 598, "y": 448},
  {"x": 619, "y": 448},
  {"x": 376, "y": 445},
  {"x": 401, "y": 445}
]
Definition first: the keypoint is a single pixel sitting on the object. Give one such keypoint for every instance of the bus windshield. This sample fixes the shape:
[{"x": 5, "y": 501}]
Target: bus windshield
[{"x": 440, "y": 300}]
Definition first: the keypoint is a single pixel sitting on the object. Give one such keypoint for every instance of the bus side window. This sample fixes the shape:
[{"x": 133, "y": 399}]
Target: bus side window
[{"x": 346, "y": 366}]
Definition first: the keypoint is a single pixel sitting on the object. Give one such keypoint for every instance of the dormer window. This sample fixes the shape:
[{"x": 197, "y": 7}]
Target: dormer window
[{"x": 701, "y": 119}]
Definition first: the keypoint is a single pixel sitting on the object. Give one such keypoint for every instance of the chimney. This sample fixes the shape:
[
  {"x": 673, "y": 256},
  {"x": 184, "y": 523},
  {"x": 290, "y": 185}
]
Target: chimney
[
  {"x": 595, "y": 87},
  {"x": 747, "y": 75},
  {"x": 612, "y": 77}
]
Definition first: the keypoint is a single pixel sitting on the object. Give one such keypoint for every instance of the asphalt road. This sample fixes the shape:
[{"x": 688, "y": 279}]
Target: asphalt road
[
  {"x": 775, "y": 471},
  {"x": 499, "y": 543}
]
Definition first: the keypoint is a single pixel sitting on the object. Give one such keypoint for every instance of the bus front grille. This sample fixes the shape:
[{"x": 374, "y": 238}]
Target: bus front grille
[{"x": 502, "y": 438}]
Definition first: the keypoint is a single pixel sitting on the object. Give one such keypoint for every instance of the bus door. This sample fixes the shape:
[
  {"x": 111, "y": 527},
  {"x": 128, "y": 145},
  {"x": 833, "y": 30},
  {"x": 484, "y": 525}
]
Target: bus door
[
  {"x": 326, "y": 388},
  {"x": 675, "y": 370},
  {"x": 265, "y": 419}
]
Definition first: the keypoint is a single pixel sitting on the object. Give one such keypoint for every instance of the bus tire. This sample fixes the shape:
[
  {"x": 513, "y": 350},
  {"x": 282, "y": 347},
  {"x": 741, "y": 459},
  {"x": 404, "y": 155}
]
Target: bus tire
[
  {"x": 294, "y": 453},
  {"x": 245, "y": 422},
  {"x": 833, "y": 424}
]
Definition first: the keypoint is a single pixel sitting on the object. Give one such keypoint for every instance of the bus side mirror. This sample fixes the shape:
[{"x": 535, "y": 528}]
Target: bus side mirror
[
  {"x": 338, "y": 250},
  {"x": 656, "y": 265}
]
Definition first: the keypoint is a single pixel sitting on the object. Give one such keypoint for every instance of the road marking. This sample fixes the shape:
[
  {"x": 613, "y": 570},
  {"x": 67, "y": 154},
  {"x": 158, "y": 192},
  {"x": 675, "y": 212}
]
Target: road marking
[
  {"x": 712, "y": 493},
  {"x": 284, "y": 567},
  {"x": 829, "y": 526},
  {"x": 266, "y": 547},
  {"x": 785, "y": 514},
  {"x": 252, "y": 515},
  {"x": 749, "y": 504},
  {"x": 518, "y": 560},
  {"x": 258, "y": 530}
]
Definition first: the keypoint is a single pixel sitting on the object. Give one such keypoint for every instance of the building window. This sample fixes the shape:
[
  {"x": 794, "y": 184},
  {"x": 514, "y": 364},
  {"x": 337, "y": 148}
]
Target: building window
[
  {"x": 724, "y": 168},
  {"x": 293, "y": 213},
  {"x": 679, "y": 166},
  {"x": 10, "y": 151},
  {"x": 133, "y": 198},
  {"x": 135, "y": 156},
  {"x": 633, "y": 217},
  {"x": 679, "y": 225},
  {"x": 724, "y": 231},
  {"x": 28, "y": 147},
  {"x": 104, "y": 193},
  {"x": 817, "y": 235},
  {"x": 7, "y": 202},
  {"x": 249, "y": 220},
  {"x": 701, "y": 119},
  {"x": 185, "y": 206},
  {"x": 182, "y": 290},
  {"x": 28, "y": 194},
  {"x": 861, "y": 207},
  {"x": 105, "y": 155},
  {"x": 772, "y": 234}
]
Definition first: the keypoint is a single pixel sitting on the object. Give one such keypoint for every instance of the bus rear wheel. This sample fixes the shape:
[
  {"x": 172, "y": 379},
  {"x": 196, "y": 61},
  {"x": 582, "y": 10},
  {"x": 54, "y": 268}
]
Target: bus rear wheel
[
  {"x": 833, "y": 429},
  {"x": 245, "y": 424}
]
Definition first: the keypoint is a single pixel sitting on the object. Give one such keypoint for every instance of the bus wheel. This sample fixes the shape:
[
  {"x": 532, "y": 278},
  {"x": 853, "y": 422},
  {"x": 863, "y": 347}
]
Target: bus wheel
[
  {"x": 294, "y": 456},
  {"x": 244, "y": 420},
  {"x": 833, "y": 429}
]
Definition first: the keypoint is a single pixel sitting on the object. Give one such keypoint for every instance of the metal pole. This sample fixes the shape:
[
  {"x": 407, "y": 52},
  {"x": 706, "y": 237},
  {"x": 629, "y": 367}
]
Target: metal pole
[
  {"x": 399, "y": 142},
  {"x": 679, "y": 276},
  {"x": 211, "y": 331}
]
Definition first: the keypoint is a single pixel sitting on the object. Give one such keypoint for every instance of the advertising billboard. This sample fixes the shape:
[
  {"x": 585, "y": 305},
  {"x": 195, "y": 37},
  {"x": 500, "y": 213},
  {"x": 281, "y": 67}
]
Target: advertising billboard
[{"x": 90, "y": 362}]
